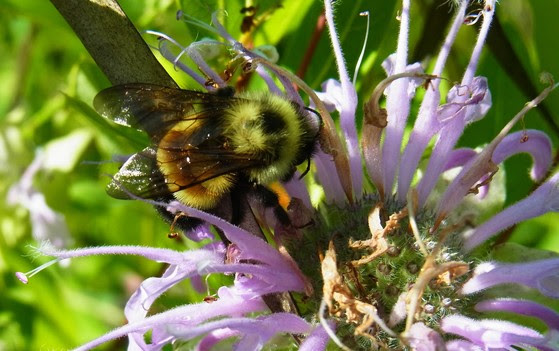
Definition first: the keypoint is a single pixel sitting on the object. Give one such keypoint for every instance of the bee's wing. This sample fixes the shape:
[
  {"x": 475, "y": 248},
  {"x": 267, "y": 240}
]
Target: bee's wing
[
  {"x": 155, "y": 109},
  {"x": 139, "y": 176}
]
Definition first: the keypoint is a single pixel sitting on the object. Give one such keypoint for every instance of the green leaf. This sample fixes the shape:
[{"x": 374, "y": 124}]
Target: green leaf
[{"x": 62, "y": 154}]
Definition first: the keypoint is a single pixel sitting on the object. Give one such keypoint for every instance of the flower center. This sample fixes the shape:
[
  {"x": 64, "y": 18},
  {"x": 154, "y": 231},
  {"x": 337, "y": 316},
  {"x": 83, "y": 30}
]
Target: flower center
[{"x": 372, "y": 271}]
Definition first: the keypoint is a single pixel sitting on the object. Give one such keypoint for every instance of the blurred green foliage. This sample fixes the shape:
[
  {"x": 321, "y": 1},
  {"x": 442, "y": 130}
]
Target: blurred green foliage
[{"x": 48, "y": 84}]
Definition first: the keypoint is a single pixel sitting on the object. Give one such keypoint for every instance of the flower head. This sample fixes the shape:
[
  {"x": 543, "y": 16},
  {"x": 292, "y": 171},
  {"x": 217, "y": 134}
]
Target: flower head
[{"x": 364, "y": 269}]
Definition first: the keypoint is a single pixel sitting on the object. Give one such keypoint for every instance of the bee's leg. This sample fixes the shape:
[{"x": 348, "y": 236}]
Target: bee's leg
[
  {"x": 179, "y": 221},
  {"x": 172, "y": 233},
  {"x": 239, "y": 206},
  {"x": 242, "y": 214}
]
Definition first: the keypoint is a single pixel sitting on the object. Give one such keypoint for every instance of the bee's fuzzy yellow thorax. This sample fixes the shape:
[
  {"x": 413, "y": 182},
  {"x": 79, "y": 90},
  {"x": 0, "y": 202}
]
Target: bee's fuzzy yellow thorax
[{"x": 269, "y": 127}]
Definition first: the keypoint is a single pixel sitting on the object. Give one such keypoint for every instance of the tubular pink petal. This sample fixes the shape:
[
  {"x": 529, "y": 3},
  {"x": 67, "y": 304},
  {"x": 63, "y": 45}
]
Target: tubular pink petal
[
  {"x": 488, "y": 12},
  {"x": 397, "y": 106},
  {"x": 251, "y": 246},
  {"x": 187, "y": 315},
  {"x": 214, "y": 337},
  {"x": 296, "y": 188},
  {"x": 348, "y": 105},
  {"x": 482, "y": 165},
  {"x": 465, "y": 104},
  {"x": 459, "y": 158},
  {"x": 451, "y": 132},
  {"x": 445, "y": 143},
  {"x": 524, "y": 307},
  {"x": 533, "y": 142},
  {"x": 317, "y": 341},
  {"x": 328, "y": 177},
  {"x": 423, "y": 338},
  {"x": 462, "y": 345},
  {"x": 544, "y": 199},
  {"x": 272, "y": 87},
  {"x": 263, "y": 327},
  {"x": 155, "y": 254},
  {"x": 167, "y": 54},
  {"x": 427, "y": 125},
  {"x": 542, "y": 275},
  {"x": 491, "y": 333}
]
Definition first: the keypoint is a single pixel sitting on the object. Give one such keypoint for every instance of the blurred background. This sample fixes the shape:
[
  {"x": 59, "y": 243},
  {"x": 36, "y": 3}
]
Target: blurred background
[{"x": 48, "y": 84}]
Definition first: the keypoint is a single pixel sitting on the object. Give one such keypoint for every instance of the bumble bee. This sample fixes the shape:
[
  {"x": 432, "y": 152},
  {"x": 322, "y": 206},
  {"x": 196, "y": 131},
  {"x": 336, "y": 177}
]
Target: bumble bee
[{"x": 208, "y": 148}]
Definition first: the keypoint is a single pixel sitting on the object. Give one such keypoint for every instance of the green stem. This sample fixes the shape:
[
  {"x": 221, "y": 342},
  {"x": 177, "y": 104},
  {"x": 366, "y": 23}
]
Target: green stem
[{"x": 113, "y": 41}]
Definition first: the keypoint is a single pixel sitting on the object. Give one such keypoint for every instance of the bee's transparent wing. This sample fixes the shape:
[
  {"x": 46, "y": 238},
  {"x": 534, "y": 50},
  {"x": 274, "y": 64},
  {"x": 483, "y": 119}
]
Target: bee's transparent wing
[
  {"x": 139, "y": 176},
  {"x": 155, "y": 109}
]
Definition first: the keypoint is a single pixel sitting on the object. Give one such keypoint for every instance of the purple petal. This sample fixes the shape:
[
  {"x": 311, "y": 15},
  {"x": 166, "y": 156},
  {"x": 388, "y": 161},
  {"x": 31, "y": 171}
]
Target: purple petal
[
  {"x": 465, "y": 103},
  {"x": 296, "y": 188},
  {"x": 450, "y": 133},
  {"x": 488, "y": 12},
  {"x": 459, "y": 158},
  {"x": 198, "y": 284},
  {"x": 214, "y": 337},
  {"x": 425, "y": 128},
  {"x": 422, "y": 338},
  {"x": 533, "y": 142},
  {"x": 389, "y": 65},
  {"x": 542, "y": 275},
  {"x": 544, "y": 199},
  {"x": 203, "y": 66},
  {"x": 251, "y": 246},
  {"x": 269, "y": 80},
  {"x": 229, "y": 304},
  {"x": 154, "y": 254},
  {"x": 427, "y": 125},
  {"x": 263, "y": 279},
  {"x": 328, "y": 177},
  {"x": 348, "y": 105},
  {"x": 222, "y": 31},
  {"x": 255, "y": 332},
  {"x": 200, "y": 233},
  {"x": 169, "y": 56},
  {"x": 444, "y": 145},
  {"x": 527, "y": 308},
  {"x": 397, "y": 106},
  {"x": 491, "y": 333},
  {"x": 142, "y": 299},
  {"x": 462, "y": 345},
  {"x": 331, "y": 94},
  {"x": 317, "y": 341},
  {"x": 474, "y": 100},
  {"x": 140, "y": 302}
]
